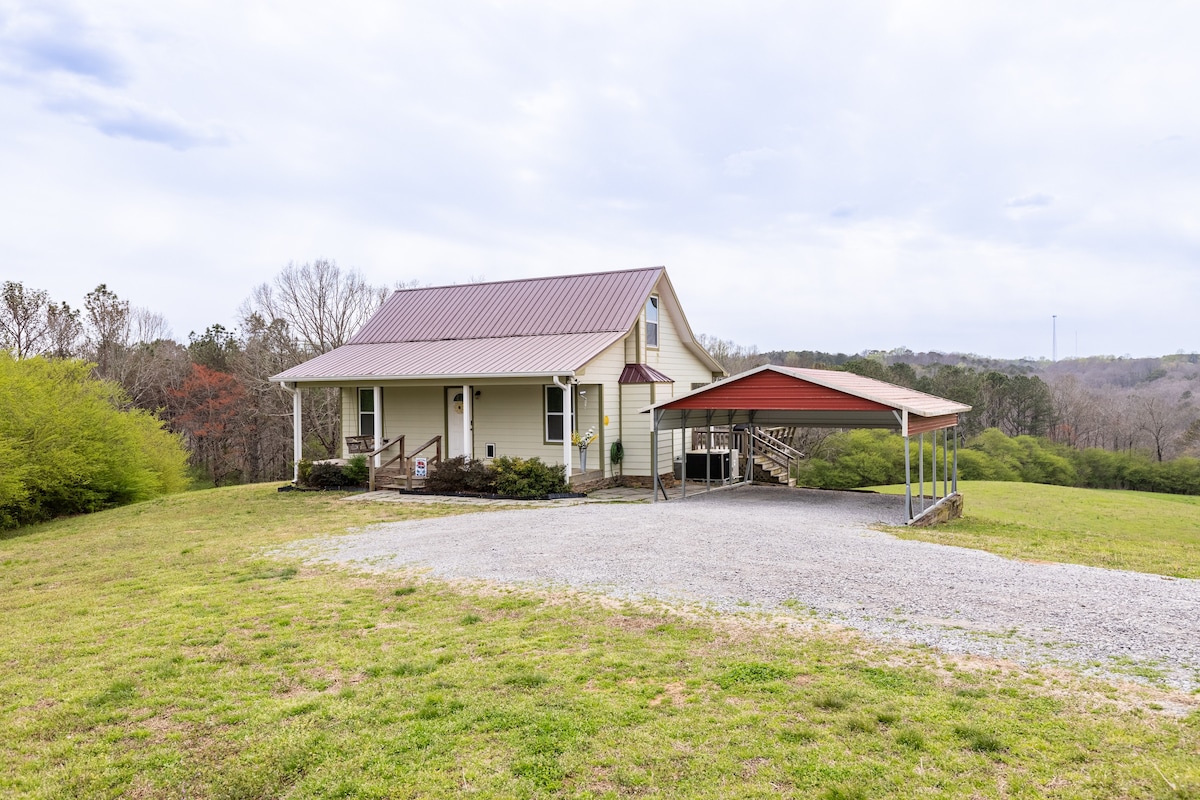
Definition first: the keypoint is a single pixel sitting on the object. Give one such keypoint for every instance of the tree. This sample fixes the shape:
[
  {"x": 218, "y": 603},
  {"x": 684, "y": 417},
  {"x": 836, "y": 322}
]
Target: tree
[
  {"x": 68, "y": 444},
  {"x": 322, "y": 305},
  {"x": 108, "y": 326},
  {"x": 22, "y": 319},
  {"x": 64, "y": 331},
  {"x": 211, "y": 415}
]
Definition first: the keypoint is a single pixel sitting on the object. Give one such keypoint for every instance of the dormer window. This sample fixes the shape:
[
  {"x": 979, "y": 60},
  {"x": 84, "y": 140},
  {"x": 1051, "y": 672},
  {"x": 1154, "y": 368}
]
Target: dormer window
[{"x": 652, "y": 322}]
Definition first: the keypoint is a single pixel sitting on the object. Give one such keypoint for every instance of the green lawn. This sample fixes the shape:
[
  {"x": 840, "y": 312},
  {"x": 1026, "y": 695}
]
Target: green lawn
[
  {"x": 1140, "y": 531},
  {"x": 160, "y": 651}
]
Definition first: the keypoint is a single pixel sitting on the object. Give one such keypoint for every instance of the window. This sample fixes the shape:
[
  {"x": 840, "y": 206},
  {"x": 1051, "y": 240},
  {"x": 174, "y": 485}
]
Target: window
[
  {"x": 366, "y": 412},
  {"x": 555, "y": 422},
  {"x": 652, "y": 322}
]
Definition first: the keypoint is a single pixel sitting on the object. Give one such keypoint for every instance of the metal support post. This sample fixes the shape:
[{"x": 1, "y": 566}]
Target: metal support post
[
  {"x": 921, "y": 469},
  {"x": 683, "y": 457},
  {"x": 655, "y": 481},
  {"x": 955, "y": 482},
  {"x": 908, "y": 505}
]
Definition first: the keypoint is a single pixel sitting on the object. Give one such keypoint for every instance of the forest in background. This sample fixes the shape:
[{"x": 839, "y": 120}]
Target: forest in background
[
  {"x": 1148, "y": 406},
  {"x": 213, "y": 388}
]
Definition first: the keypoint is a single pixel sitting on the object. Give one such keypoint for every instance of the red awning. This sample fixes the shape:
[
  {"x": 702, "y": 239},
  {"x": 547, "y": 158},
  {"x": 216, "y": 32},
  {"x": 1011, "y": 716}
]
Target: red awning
[{"x": 642, "y": 373}]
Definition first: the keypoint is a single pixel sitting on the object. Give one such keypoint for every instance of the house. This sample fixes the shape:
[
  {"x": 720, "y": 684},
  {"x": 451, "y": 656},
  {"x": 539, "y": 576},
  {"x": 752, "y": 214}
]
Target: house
[{"x": 511, "y": 368}]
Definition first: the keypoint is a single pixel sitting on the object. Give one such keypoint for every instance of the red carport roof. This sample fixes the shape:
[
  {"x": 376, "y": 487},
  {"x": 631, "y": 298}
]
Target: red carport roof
[{"x": 790, "y": 396}]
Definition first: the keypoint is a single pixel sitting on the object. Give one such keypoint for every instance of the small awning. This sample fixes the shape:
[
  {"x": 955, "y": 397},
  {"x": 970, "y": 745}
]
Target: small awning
[{"x": 642, "y": 373}]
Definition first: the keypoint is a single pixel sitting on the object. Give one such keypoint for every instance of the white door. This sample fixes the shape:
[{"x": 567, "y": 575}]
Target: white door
[{"x": 454, "y": 423}]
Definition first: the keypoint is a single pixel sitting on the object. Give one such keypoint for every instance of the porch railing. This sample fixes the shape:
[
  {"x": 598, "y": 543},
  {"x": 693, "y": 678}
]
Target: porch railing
[
  {"x": 435, "y": 442},
  {"x": 378, "y": 451}
]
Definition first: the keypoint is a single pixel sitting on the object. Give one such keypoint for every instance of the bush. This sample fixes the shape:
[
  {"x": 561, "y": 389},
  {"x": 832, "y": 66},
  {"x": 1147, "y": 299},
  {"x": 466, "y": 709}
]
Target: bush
[
  {"x": 356, "y": 472},
  {"x": 323, "y": 475},
  {"x": 68, "y": 446},
  {"x": 461, "y": 474},
  {"x": 528, "y": 477}
]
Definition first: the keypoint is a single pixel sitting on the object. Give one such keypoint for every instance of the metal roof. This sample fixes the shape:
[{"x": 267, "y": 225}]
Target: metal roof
[
  {"x": 535, "y": 326},
  {"x": 642, "y": 373},
  {"x": 508, "y": 355},
  {"x": 602, "y": 301},
  {"x": 818, "y": 397}
]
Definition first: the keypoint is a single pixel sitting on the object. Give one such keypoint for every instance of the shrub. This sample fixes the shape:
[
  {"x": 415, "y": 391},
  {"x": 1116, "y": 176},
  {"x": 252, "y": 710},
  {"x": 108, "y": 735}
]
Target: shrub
[
  {"x": 356, "y": 472},
  {"x": 68, "y": 445},
  {"x": 461, "y": 474},
  {"x": 324, "y": 475},
  {"x": 528, "y": 477}
]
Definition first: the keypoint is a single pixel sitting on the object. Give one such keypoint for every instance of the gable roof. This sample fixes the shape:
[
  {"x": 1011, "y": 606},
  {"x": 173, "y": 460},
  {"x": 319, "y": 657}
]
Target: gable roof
[
  {"x": 592, "y": 303},
  {"x": 530, "y": 327},
  {"x": 818, "y": 397}
]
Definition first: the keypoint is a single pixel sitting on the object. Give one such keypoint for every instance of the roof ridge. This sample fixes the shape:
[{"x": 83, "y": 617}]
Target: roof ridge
[
  {"x": 530, "y": 280},
  {"x": 503, "y": 336}
]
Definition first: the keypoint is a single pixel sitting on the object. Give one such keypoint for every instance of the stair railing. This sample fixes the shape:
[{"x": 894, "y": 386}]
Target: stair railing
[
  {"x": 437, "y": 458},
  {"x": 776, "y": 450},
  {"x": 390, "y": 461}
]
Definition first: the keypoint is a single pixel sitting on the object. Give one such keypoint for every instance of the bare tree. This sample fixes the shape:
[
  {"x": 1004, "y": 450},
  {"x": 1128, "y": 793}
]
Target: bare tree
[
  {"x": 22, "y": 319},
  {"x": 322, "y": 304},
  {"x": 64, "y": 331},
  {"x": 107, "y": 327},
  {"x": 1163, "y": 417}
]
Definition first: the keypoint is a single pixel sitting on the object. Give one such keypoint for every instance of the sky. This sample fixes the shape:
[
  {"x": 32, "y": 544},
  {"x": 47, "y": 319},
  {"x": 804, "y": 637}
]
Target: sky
[{"x": 842, "y": 176}]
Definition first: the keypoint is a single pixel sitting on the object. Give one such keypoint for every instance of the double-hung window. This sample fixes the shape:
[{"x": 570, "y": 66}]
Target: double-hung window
[
  {"x": 556, "y": 415},
  {"x": 366, "y": 412},
  {"x": 652, "y": 322}
]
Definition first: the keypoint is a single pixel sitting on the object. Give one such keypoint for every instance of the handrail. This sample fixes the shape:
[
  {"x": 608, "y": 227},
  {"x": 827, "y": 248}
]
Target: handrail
[
  {"x": 782, "y": 454},
  {"x": 377, "y": 451},
  {"x": 408, "y": 464},
  {"x": 437, "y": 439}
]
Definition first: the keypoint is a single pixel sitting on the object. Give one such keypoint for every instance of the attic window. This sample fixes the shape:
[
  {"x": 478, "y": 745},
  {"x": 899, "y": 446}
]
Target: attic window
[{"x": 652, "y": 322}]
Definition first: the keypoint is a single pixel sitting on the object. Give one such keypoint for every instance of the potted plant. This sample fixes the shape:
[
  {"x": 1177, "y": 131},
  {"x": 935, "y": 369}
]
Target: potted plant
[{"x": 582, "y": 441}]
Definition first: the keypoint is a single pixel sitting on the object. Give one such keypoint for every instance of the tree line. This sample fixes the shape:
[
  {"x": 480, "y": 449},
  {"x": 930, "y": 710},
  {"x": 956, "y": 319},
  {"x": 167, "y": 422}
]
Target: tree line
[
  {"x": 1145, "y": 406},
  {"x": 212, "y": 389}
]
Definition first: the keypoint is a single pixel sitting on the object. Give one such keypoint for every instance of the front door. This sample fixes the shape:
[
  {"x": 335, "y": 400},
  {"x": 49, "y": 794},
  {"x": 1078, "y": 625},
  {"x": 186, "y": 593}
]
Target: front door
[{"x": 454, "y": 422}]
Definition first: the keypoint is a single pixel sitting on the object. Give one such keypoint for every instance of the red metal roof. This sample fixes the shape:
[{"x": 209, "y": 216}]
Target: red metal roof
[
  {"x": 603, "y": 301},
  {"x": 791, "y": 396},
  {"x": 642, "y": 373},
  {"x": 770, "y": 389}
]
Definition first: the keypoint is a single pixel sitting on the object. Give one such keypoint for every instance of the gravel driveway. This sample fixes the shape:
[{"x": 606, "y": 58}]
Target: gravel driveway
[{"x": 761, "y": 547}]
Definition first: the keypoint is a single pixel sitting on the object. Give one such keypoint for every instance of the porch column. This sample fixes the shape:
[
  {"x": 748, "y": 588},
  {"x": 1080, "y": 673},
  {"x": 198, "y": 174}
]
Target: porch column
[
  {"x": 468, "y": 405},
  {"x": 568, "y": 426},
  {"x": 297, "y": 435},
  {"x": 378, "y": 415}
]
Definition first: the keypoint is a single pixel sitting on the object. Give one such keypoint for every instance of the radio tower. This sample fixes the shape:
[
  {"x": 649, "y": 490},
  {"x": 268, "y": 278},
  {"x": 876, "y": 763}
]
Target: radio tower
[{"x": 1054, "y": 337}]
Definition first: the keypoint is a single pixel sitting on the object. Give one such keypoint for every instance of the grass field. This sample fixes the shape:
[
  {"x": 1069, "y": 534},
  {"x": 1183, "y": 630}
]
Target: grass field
[
  {"x": 158, "y": 651},
  {"x": 1139, "y": 531}
]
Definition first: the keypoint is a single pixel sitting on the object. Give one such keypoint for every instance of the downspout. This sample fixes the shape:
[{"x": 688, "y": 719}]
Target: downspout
[
  {"x": 297, "y": 438},
  {"x": 568, "y": 423}
]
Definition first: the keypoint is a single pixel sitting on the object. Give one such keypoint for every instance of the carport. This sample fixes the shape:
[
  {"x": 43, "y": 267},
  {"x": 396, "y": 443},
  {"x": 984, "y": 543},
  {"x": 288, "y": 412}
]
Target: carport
[{"x": 774, "y": 396}]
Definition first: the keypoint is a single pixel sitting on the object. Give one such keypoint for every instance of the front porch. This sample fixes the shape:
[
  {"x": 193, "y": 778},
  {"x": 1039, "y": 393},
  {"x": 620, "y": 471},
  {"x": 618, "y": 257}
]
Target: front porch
[{"x": 406, "y": 429}]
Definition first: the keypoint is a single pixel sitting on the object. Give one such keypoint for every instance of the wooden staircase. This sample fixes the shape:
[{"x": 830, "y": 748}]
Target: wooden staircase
[
  {"x": 397, "y": 471},
  {"x": 772, "y": 453}
]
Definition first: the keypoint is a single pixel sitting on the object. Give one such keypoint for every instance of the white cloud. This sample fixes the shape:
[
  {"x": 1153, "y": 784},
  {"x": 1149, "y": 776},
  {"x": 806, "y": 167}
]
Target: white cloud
[{"x": 929, "y": 174}]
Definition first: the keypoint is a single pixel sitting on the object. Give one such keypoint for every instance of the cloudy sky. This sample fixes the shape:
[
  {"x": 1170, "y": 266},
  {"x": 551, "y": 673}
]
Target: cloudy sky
[{"x": 834, "y": 176}]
